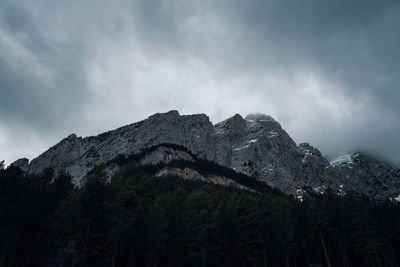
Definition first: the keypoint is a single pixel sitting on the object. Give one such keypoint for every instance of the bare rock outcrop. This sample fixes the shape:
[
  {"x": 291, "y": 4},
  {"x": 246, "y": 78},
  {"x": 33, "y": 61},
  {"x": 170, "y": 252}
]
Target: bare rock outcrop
[
  {"x": 366, "y": 175},
  {"x": 79, "y": 155},
  {"x": 256, "y": 145},
  {"x": 23, "y": 164}
]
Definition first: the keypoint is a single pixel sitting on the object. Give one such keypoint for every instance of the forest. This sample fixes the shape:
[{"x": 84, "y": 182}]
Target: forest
[{"x": 137, "y": 219}]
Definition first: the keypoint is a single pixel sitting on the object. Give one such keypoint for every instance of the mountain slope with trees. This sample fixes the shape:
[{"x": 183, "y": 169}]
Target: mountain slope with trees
[{"x": 136, "y": 219}]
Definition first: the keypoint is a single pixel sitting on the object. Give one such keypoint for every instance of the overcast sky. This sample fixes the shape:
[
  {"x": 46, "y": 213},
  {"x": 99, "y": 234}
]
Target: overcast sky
[{"x": 328, "y": 71}]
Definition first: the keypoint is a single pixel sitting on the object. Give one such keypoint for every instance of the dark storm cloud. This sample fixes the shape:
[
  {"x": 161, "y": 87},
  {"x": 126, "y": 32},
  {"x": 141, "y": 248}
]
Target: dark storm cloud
[
  {"x": 41, "y": 78},
  {"x": 353, "y": 44},
  {"x": 327, "y": 70}
]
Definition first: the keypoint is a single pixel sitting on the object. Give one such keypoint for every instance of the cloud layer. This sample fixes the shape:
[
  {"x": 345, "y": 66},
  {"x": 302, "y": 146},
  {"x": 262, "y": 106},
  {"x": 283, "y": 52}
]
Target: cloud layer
[{"x": 327, "y": 70}]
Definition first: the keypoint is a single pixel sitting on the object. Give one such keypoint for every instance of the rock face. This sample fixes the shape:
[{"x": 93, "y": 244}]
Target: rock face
[
  {"x": 79, "y": 155},
  {"x": 255, "y": 145},
  {"x": 316, "y": 171},
  {"x": 23, "y": 164},
  {"x": 369, "y": 176},
  {"x": 259, "y": 147}
]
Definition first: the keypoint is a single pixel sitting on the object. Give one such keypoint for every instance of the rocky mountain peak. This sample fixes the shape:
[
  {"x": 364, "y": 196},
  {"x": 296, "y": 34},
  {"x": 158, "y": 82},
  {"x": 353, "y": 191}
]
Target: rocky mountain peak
[
  {"x": 361, "y": 160},
  {"x": 365, "y": 158},
  {"x": 311, "y": 154},
  {"x": 21, "y": 163},
  {"x": 237, "y": 119},
  {"x": 354, "y": 158},
  {"x": 71, "y": 137},
  {"x": 170, "y": 115},
  {"x": 79, "y": 155},
  {"x": 256, "y": 145},
  {"x": 367, "y": 175}
]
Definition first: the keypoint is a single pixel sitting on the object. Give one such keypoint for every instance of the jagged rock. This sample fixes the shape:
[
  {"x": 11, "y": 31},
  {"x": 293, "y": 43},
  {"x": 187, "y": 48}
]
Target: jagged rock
[
  {"x": 316, "y": 171},
  {"x": 23, "y": 164},
  {"x": 79, "y": 155},
  {"x": 369, "y": 176},
  {"x": 256, "y": 145},
  {"x": 2, "y": 165}
]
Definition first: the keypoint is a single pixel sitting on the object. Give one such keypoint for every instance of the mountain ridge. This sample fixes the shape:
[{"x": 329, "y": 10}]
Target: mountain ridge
[{"x": 256, "y": 146}]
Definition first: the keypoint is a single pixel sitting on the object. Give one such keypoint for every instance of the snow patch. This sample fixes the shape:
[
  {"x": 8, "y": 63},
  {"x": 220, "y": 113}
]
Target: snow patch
[
  {"x": 307, "y": 153},
  {"x": 320, "y": 189},
  {"x": 272, "y": 134},
  {"x": 240, "y": 148},
  {"x": 345, "y": 159},
  {"x": 246, "y": 146}
]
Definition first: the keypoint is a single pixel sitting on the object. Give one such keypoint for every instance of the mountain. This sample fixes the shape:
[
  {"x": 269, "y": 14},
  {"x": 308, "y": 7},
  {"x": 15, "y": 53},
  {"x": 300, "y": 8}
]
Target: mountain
[
  {"x": 176, "y": 190},
  {"x": 364, "y": 174},
  {"x": 255, "y": 146}
]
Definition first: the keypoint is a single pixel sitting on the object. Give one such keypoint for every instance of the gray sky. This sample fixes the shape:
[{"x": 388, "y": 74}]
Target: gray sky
[{"x": 328, "y": 71}]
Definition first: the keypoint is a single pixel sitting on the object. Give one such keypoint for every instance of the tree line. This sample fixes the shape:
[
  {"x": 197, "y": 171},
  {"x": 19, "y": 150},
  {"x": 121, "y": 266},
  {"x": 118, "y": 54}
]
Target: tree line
[{"x": 140, "y": 220}]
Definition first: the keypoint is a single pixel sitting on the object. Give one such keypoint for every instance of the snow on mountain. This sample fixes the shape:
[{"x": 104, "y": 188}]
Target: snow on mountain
[
  {"x": 256, "y": 145},
  {"x": 344, "y": 159}
]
